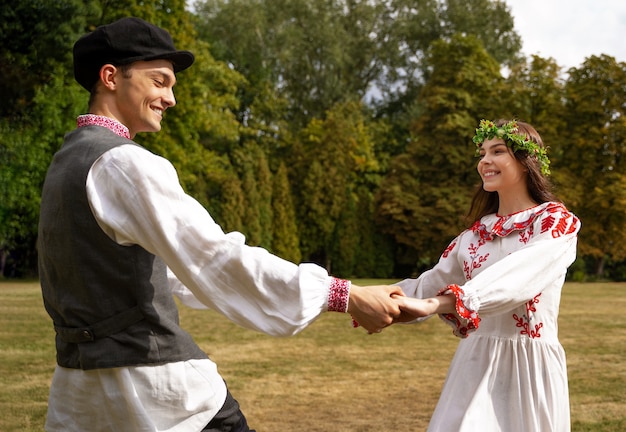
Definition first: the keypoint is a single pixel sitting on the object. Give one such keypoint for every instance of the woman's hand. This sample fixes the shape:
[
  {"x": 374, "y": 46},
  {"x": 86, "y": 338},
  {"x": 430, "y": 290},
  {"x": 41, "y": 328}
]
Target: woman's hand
[{"x": 419, "y": 308}]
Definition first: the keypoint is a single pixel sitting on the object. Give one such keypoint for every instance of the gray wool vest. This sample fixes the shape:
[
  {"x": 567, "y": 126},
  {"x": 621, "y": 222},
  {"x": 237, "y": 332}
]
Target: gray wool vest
[{"x": 110, "y": 304}]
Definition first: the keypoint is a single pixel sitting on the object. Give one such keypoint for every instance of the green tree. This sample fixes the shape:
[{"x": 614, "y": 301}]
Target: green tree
[
  {"x": 343, "y": 250},
  {"x": 535, "y": 94},
  {"x": 424, "y": 198},
  {"x": 489, "y": 21},
  {"x": 332, "y": 157},
  {"x": 315, "y": 53},
  {"x": 19, "y": 207},
  {"x": 35, "y": 81},
  {"x": 256, "y": 180},
  {"x": 231, "y": 205},
  {"x": 266, "y": 210},
  {"x": 417, "y": 25},
  {"x": 35, "y": 39},
  {"x": 593, "y": 170},
  {"x": 374, "y": 251},
  {"x": 47, "y": 100},
  {"x": 319, "y": 53},
  {"x": 285, "y": 241},
  {"x": 26, "y": 147}
]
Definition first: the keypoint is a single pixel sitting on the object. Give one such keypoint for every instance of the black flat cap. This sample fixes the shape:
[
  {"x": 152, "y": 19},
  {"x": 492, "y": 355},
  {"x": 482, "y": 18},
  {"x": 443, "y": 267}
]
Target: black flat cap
[{"x": 123, "y": 42}]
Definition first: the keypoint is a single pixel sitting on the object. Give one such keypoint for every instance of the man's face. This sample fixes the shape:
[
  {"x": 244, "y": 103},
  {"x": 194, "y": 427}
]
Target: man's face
[{"x": 143, "y": 94}]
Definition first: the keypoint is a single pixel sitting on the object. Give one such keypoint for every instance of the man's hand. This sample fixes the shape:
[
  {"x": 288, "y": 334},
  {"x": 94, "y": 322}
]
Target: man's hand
[{"x": 373, "y": 307}]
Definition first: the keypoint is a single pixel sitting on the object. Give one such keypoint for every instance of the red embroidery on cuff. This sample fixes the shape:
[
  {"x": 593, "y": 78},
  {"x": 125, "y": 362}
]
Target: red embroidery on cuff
[
  {"x": 338, "y": 295},
  {"x": 470, "y": 320},
  {"x": 449, "y": 249}
]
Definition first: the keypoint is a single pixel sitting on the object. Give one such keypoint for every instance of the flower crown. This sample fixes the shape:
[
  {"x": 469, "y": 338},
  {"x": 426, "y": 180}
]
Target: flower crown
[{"x": 509, "y": 133}]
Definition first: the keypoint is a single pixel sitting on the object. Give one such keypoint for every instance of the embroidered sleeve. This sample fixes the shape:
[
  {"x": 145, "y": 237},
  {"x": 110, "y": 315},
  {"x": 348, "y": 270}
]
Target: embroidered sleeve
[
  {"x": 446, "y": 271},
  {"x": 338, "y": 295},
  {"x": 465, "y": 320},
  {"x": 534, "y": 259}
]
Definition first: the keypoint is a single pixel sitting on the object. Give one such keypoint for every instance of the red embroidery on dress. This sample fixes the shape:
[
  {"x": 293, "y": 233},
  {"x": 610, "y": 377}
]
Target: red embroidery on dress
[
  {"x": 448, "y": 250},
  {"x": 573, "y": 226},
  {"x": 524, "y": 322},
  {"x": 476, "y": 226},
  {"x": 499, "y": 229},
  {"x": 566, "y": 223},
  {"x": 470, "y": 316},
  {"x": 524, "y": 236},
  {"x": 546, "y": 223},
  {"x": 561, "y": 227},
  {"x": 477, "y": 260}
]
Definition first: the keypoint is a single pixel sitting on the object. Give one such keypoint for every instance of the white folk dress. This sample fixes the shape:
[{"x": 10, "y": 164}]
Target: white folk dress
[{"x": 508, "y": 373}]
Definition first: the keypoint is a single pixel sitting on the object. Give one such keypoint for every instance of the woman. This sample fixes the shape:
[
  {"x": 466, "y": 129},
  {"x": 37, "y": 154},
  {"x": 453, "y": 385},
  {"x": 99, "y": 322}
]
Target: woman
[{"x": 498, "y": 284}]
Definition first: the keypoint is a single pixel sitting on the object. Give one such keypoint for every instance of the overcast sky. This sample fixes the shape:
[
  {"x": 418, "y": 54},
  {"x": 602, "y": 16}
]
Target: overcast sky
[{"x": 571, "y": 30}]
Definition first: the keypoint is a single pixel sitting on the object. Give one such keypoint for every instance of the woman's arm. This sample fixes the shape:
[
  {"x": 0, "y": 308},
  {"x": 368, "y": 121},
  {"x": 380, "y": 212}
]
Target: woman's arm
[{"x": 429, "y": 306}]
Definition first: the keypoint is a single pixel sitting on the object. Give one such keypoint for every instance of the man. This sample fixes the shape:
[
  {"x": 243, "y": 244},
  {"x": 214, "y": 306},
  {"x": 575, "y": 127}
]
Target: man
[{"x": 118, "y": 235}]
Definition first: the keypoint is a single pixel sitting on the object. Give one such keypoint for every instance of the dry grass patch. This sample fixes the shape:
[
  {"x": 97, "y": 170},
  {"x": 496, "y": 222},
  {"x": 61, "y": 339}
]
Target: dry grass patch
[{"x": 331, "y": 377}]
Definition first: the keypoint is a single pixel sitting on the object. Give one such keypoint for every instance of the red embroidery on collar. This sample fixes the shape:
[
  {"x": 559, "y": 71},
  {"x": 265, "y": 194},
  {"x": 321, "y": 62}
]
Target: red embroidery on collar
[
  {"x": 505, "y": 225},
  {"x": 109, "y": 123}
]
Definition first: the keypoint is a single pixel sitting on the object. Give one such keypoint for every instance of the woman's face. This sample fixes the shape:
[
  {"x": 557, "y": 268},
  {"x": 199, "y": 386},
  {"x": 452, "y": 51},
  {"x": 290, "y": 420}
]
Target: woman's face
[{"x": 499, "y": 170}]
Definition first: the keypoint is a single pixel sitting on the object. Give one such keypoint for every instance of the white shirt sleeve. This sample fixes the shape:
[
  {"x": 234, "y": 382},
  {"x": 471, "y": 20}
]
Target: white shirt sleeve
[{"x": 136, "y": 198}]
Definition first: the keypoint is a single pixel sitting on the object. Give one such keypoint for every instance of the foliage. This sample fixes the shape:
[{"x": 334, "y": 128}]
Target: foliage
[
  {"x": 422, "y": 204},
  {"x": 285, "y": 241},
  {"x": 417, "y": 26},
  {"x": 535, "y": 95},
  {"x": 331, "y": 158},
  {"x": 256, "y": 177},
  {"x": 32, "y": 84},
  {"x": 330, "y": 131},
  {"x": 26, "y": 148},
  {"x": 490, "y": 22},
  {"x": 35, "y": 39},
  {"x": 592, "y": 159},
  {"x": 314, "y": 53}
]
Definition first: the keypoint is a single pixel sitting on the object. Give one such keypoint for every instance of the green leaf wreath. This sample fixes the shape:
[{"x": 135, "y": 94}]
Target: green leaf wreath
[{"x": 508, "y": 132}]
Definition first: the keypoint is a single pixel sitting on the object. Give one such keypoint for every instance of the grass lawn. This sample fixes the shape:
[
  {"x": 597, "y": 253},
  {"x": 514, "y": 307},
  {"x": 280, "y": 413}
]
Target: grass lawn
[{"x": 331, "y": 377}]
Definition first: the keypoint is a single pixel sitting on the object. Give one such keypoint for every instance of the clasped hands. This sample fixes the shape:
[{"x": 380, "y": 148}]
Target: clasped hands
[{"x": 375, "y": 307}]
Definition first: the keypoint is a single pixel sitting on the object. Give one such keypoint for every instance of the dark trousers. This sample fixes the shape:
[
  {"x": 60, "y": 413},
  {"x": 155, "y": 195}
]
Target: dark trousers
[{"x": 229, "y": 418}]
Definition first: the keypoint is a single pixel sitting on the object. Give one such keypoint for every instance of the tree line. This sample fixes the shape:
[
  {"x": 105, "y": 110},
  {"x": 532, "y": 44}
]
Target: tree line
[{"x": 332, "y": 131}]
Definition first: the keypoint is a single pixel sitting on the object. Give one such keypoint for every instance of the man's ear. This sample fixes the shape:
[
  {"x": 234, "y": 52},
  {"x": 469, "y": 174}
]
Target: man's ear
[{"x": 109, "y": 75}]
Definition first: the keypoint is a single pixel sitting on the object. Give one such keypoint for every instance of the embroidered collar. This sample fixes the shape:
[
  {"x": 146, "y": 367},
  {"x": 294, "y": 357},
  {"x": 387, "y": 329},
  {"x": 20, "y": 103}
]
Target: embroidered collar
[
  {"x": 107, "y": 122},
  {"x": 495, "y": 225}
]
